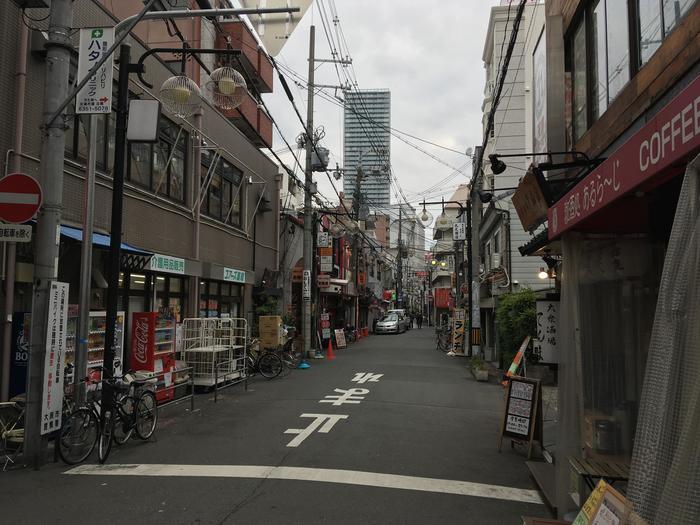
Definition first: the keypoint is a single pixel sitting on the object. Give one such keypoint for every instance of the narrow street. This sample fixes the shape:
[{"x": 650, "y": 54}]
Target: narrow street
[{"x": 416, "y": 444}]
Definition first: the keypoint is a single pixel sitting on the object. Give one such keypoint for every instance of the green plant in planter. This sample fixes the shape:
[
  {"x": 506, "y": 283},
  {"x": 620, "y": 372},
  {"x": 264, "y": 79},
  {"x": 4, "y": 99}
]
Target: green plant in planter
[
  {"x": 477, "y": 363},
  {"x": 516, "y": 317}
]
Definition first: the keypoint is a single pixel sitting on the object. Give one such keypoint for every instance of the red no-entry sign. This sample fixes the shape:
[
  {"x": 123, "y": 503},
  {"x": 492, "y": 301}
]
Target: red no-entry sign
[{"x": 20, "y": 198}]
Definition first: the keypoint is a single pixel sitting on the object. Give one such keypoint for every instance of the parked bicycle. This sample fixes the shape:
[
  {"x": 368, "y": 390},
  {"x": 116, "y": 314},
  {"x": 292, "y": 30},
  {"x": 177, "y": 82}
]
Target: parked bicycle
[
  {"x": 289, "y": 352},
  {"x": 443, "y": 338},
  {"x": 263, "y": 361},
  {"x": 134, "y": 411}
]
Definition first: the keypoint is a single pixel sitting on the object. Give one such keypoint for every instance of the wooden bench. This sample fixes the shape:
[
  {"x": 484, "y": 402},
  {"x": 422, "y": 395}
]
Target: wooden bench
[{"x": 592, "y": 470}]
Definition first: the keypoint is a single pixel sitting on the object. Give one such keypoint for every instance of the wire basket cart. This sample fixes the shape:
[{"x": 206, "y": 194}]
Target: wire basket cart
[{"x": 216, "y": 349}]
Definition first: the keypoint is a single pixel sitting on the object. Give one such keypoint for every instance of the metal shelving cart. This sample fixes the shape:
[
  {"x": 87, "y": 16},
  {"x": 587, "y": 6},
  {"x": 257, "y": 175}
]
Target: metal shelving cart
[{"x": 216, "y": 349}]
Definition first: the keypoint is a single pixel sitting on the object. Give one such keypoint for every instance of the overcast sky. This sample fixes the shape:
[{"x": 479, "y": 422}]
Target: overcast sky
[{"x": 428, "y": 53}]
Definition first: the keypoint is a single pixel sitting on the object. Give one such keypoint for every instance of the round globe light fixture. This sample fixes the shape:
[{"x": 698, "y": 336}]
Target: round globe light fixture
[
  {"x": 425, "y": 218},
  {"x": 181, "y": 96},
  {"x": 227, "y": 88},
  {"x": 542, "y": 273}
]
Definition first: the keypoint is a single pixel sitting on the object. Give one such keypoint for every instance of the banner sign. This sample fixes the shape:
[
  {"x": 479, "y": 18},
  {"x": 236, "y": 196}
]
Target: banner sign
[
  {"x": 545, "y": 343},
  {"x": 234, "y": 276},
  {"x": 458, "y": 323},
  {"x": 96, "y": 95},
  {"x": 306, "y": 287},
  {"x": 55, "y": 359}
]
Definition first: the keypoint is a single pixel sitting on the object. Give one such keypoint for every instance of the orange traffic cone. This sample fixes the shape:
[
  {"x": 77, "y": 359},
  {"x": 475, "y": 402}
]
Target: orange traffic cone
[{"x": 329, "y": 352}]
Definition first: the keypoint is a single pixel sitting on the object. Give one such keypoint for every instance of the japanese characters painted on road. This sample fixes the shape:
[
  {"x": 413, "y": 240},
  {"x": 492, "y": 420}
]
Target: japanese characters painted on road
[
  {"x": 96, "y": 95},
  {"x": 364, "y": 377},
  {"x": 323, "y": 423},
  {"x": 545, "y": 343},
  {"x": 352, "y": 396},
  {"x": 54, "y": 360},
  {"x": 20, "y": 198},
  {"x": 340, "y": 338},
  {"x": 517, "y": 360},
  {"x": 522, "y": 418},
  {"x": 458, "y": 322}
]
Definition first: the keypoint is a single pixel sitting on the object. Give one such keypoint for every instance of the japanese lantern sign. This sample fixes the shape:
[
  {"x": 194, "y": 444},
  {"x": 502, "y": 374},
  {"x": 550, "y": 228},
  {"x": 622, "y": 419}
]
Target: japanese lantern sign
[{"x": 96, "y": 95}]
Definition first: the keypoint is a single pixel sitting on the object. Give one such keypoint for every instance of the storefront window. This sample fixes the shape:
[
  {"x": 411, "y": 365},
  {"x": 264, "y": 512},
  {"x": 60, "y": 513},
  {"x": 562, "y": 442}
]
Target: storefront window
[{"x": 219, "y": 299}]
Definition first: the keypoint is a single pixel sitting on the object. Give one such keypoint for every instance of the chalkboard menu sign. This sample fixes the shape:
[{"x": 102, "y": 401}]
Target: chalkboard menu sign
[{"x": 523, "y": 414}]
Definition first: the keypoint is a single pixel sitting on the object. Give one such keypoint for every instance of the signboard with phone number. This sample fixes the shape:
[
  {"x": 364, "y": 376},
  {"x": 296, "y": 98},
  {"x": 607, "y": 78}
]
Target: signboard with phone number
[{"x": 522, "y": 419}]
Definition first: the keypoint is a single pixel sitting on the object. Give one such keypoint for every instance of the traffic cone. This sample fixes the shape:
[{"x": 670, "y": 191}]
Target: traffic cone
[{"x": 329, "y": 352}]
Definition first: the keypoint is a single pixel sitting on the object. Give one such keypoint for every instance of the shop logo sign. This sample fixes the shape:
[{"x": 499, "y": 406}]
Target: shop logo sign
[
  {"x": 165, "y": 263},
  {"x": 141, "y": 339},
  {"x": 235, "y": 276}
]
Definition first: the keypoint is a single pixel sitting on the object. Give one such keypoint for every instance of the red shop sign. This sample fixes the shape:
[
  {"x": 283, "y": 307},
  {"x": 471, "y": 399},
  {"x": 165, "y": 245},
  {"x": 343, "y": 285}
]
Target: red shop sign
[{"x": 669, "y": 138}]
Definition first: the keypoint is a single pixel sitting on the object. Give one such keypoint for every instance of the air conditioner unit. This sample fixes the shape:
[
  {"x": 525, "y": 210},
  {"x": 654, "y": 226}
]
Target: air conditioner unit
[{"x": 495, "y": 260}]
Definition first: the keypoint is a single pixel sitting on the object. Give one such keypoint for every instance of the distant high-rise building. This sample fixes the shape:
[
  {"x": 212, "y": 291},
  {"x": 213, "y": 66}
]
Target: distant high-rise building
[{"x": 367, "y": 141}]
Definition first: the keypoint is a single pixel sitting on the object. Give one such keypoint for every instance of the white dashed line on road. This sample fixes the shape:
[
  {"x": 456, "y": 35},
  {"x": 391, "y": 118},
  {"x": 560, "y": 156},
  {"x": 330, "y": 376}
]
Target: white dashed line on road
[{"x": 347, "y": 477}]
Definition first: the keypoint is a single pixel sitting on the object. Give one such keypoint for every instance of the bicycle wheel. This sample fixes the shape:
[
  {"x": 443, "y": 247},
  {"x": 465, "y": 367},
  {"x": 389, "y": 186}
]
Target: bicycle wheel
[
  {"x": 146, "y": 415},
  {"x": 270, "y": 365},
  {"x": 78, "y": 436},
  {"x": 104, "y": 440},
  {"x": 123, "y": 423},
  {"x": 287, "y": 362}
]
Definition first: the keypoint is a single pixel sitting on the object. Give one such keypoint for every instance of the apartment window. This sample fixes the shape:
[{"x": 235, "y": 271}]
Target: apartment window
[
  {"x": 657, "y": 18},
  {"x": 222, "y": 200},
  {"x": 578, "y": 63},
  {"x": 77, "y": 139},
  {"x": 160, "y": 167},
  {"x": 497, "y": 243}
]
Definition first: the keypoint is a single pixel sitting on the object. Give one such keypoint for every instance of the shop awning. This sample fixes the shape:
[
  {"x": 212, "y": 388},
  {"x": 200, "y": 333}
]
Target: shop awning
[{"x": 132, "y": 258}]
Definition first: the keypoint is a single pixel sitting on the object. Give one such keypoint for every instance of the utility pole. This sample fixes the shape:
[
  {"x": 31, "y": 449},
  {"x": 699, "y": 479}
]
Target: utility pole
[
  {"x": 356, "y": 241},
  {"x": 470, "y": 275},
  {"x": 308, "y": 181},
  {"x": 46, "y": 242},
  {"x": 399, "y": 267}
]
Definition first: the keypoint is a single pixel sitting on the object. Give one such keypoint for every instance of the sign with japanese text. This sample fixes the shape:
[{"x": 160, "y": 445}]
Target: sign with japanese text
[
  {"x": 323, "y": 240},
  {"x": 15, "y": 233},
  {"x": 167, "y": 264},
  {"x": 522, "y": 419},
  {"x": 669, "y": 138},
  {"x": 340, "y": 338},
  {"x": 362, "y": 278},
  {"x": 545, "y": 343},
  {"x": 234, "y": 276},
  {"x": 306, "y": 289},
  {"x": 326, "y": 263},
  {"x": 458, "y": 324},
  {"x": 96, "y": 95},
  {"x": 54, "y": 360},
  {"x": 326, "y": 251},
  {"x": 323, "y": 280},
  {"x": 297, "y": 274},
  {"x": 459, "y": 231}
]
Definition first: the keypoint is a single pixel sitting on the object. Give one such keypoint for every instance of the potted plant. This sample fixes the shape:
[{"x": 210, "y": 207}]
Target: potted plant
[{"x": 479, "y": 369}]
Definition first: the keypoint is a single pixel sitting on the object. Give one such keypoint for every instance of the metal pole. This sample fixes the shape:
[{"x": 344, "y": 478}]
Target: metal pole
[
  {"x": 81, "y": 347},
  {"x": 356, "y": 241},
  {"x": 116, "y": 221},
  {"x": 399, "y": 268},
  {"x": 46, "y": 242},
  {"x": 20, "y": 83},
  {"x": 308, "y": 181}
]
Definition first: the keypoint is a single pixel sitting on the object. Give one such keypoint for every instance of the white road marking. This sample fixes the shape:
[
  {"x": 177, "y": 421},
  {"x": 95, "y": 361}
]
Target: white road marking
[
  {"x": 352, "y": 396},
  {"x": 328, "y": 421},
  {"x": 19, "y": 198},
  {"x": 363, "y": 377},
  {"x": 347, "y": 477}
]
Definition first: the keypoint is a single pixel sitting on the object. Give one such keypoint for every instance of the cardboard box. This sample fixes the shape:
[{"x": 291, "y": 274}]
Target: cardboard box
[{"x": 270, "y": 329}]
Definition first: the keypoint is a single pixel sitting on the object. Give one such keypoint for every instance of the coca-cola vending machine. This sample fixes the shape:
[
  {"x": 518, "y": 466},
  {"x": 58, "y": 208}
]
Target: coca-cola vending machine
[{"x": 153, "y": 350}]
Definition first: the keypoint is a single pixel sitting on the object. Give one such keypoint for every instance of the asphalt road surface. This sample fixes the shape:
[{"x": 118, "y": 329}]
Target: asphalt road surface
[{"x": 391, "y": 431}]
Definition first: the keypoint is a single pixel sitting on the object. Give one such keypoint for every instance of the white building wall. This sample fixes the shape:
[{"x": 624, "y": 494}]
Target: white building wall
[{"x": 513, "y": 124}]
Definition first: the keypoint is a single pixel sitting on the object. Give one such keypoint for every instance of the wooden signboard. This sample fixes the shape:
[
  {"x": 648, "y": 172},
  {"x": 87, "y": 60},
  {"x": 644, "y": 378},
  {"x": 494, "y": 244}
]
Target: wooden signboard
[
  {"x": 522, "y": 417},
  {"x": 340, "y": 338}
]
